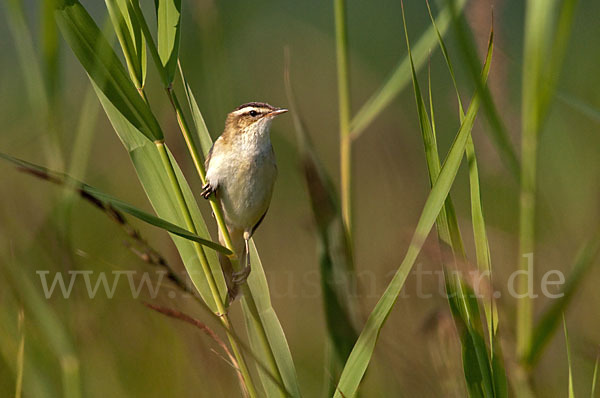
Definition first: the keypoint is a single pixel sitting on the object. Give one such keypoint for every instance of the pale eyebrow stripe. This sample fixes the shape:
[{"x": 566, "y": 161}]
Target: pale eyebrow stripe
[{"x": 247, "y": 109}]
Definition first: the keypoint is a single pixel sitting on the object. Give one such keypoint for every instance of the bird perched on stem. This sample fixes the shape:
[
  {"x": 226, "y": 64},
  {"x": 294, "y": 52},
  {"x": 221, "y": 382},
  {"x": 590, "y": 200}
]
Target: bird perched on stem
[{"x": 241, "y": 171}]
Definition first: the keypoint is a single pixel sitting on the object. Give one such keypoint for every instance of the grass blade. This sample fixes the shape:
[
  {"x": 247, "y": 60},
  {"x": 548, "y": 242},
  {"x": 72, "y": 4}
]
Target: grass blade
[
  {"x": 465, "y": 308},
  {"x": 104, "y": 67},
  {"x": 482, "y": 249},
  {"x": 20, "y": 355},
  {"x": 258, "y": 305},
  {"x": 594, "y": 378},
  {"x": 108, "y": 200},
  {"x": 569, "y": 363},
  {"x": 360, "y": 357},
  {"x": 557, "y": 53},
  {"x": 168, "y": 18},
  {"x": 201, "y": 130},
  {"x": 400, "y": 76},
  {"x": 50, "y": 49},
  {"x": 130, "y": 38},
  {"x": 498, "y": 131}
]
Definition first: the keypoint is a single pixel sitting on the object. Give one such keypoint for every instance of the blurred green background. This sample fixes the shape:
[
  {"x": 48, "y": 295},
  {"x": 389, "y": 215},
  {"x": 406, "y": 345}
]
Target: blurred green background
[{"x": 233, "y": 52}]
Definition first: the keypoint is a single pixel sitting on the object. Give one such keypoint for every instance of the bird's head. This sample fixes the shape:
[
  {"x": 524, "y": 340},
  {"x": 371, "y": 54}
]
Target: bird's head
[{"x": 253, "y": 117}]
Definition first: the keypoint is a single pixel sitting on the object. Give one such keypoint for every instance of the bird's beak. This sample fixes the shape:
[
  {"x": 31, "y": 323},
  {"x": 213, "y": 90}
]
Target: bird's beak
[{"x": 276, "y": 112}]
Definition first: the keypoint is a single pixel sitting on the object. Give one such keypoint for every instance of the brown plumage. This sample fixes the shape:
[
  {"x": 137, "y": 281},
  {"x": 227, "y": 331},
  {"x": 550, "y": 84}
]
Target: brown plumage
[{"x": 241, "y": 170}]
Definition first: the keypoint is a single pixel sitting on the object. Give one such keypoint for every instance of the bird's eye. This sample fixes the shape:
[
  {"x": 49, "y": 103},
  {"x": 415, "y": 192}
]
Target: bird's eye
[{"x": 253, "y": 113}]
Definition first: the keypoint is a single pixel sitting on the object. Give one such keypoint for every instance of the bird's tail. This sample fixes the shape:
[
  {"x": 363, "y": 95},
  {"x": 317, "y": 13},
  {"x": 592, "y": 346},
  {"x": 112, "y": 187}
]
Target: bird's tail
[{"x": 237, "y": 240}]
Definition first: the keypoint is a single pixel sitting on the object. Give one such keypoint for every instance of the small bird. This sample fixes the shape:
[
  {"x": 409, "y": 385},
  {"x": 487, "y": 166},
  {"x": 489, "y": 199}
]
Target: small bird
[{"x": 241, "y": 172}]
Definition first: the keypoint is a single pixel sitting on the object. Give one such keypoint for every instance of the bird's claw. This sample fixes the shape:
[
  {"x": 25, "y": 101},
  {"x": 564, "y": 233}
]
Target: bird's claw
[
  {"x": 207, "y": 190},
  {"x": 240, "y": 277}
]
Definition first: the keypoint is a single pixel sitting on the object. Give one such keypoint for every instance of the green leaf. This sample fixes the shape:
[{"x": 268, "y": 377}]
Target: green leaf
[
  {"x": 465, "y": 308},
  {"x": 595, "y": 378},
  {"x": 257, "y": 281},
  {"x": 551, "y": 69},
  {"x": 122, "y": 105},
  {"x": 50, "y": 49},
  {"x": 498, "y": 131},
  {"x": 201, "y": 129},
  {"x": 103, "y": 66},
  {"x": 569, "y": 362},
  {"x": 168, "y": 15},
  {"x": 550, "y": 318},
  {"x": 131, "y": 39},
  {"x": 106, "y": 199},
  {"x": 400, "y": 77},
  {"x": 360, "y": 357},
  {"x": 479, "y": 232}
]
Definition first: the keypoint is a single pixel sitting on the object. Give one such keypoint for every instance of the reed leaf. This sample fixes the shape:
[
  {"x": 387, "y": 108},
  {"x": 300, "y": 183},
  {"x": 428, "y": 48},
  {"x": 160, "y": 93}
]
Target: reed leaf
[
  {"x": 103, "y": 66},
  {"x": 465, "y": 308},
  {"x": 362, "y": 352},
  {"x": 130, "y": 38},
  {"x": 400, "y": 76},
  {"x": 108, "y": 200},
  {"x": 50, "y": 49},
  {"x": 482, "y": 249},
  {"x": 20, "y": 355},
  {"x": 201, "y": 130},
  {"x": 595, "y": 378},
  {"x": 260, "y": 301},
  {"x": 168, "y": 17},
  {"x": 498, "y": 131},
  {"x": 571, "y": 393}
]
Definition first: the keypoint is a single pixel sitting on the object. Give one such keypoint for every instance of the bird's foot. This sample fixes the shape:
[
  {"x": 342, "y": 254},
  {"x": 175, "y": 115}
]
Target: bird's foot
[
  {"x": 207, "y": 190},
  {"x": 239, "y": 278}
]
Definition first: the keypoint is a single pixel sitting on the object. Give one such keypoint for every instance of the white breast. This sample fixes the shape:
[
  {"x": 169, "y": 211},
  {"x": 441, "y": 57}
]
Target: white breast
[{"x": 244, "y": 174}]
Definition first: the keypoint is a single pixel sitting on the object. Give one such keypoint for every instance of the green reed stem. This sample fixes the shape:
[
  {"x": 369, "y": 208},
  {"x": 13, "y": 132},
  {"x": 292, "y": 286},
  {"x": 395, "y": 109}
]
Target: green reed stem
[
  {"x": 536, "y": 26},
  {"x": 243, "y": 368},
  {"x": 20, "y": 354},
  {"x": 341, "y": 39}
]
